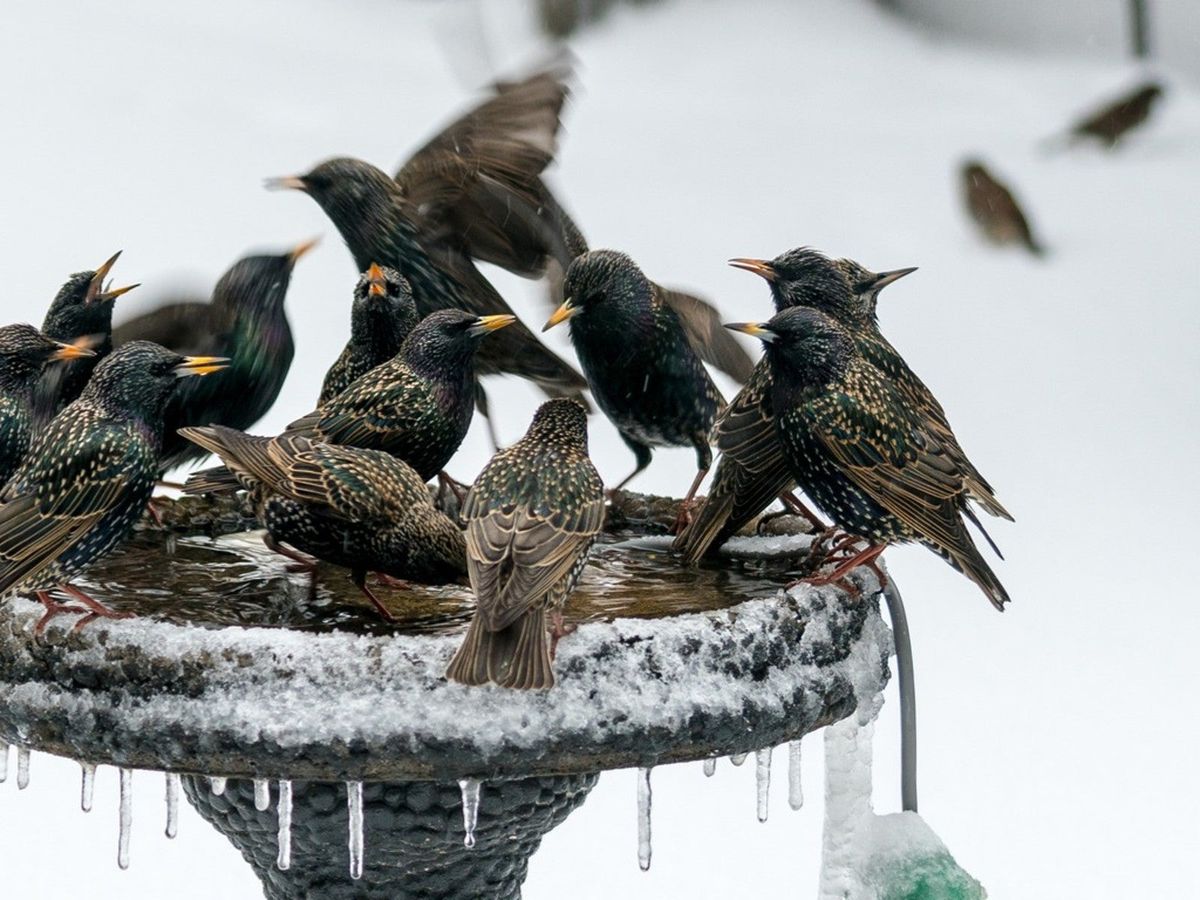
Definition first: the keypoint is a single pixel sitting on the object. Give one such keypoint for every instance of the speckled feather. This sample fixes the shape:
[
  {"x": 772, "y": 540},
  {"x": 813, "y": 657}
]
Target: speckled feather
[
  {"x": 24, "y": 353},
  {"x": 379, "y": 323},
  {"x": 532, "y": 517},
  {"x": 89, "y": 474},
  {"x": 361, "y": 509},
  {"x": 752, "y": 472},
  {"x": 643, "y": 372},
  {"x": 860, "y": 451}
]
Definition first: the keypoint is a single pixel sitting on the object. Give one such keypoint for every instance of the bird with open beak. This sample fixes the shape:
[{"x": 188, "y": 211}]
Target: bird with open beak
[{"x": 81, "y": 310}]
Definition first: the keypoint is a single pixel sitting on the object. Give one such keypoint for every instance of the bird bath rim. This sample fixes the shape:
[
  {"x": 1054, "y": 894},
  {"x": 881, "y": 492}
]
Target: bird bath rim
[{"x": 273, "y": 703}]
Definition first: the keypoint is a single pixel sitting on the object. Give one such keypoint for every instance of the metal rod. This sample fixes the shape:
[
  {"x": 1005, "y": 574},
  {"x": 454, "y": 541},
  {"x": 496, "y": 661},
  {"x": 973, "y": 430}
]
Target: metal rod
[
  {"x": 1140, "y": 22},
  {"x": 908, "y": 697}
]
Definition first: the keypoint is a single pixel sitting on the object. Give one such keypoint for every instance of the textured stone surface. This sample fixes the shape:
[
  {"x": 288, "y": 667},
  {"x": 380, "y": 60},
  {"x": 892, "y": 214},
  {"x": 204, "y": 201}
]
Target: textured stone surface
[{"x": 413, "y": 836}]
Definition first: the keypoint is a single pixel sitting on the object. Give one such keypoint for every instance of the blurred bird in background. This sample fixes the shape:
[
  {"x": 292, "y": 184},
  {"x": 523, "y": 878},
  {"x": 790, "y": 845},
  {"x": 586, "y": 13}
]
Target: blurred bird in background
[
  {"x": 1110, "y": 124},
  {"x": 246, "y": 322},
  {"x": 994, "y": 209}
]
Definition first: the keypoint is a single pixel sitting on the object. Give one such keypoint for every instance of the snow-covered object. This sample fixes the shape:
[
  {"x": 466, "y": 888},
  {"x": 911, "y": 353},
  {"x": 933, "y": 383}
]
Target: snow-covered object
[
  {"x": 871, "y": 857},
  {"x": 253, "y": 702}
]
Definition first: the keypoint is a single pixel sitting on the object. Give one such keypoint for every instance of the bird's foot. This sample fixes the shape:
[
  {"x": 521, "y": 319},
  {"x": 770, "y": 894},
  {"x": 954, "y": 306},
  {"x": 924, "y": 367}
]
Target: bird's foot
[
  {"x": 684, "y": 518},
  {"x": 841, "y": 572},
  {"x": 53, "y": 608},
  {"x": 457, "y": 488},
  {"x": 559, "y": 630},
  {"x": 153, "y": 512},
  {"x": 796, "y": 507},
  {"x": 391, "y": 581},
  {"x": 360, "y": 581}
]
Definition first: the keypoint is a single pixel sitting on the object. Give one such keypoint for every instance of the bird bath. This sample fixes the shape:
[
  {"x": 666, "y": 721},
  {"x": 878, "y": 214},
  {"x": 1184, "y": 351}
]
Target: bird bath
[{"x": 239, "y": 679}]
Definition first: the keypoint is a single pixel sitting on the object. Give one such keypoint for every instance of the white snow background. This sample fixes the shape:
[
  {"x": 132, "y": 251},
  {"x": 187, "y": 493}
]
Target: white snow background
[{"x": 1057, "y": 740}]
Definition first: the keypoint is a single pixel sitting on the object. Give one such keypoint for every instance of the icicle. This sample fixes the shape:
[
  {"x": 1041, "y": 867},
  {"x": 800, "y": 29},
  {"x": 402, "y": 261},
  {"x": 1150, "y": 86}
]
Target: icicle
[
  {"x": 217, "y": 785},
  {"x": 710, "y": 766},
  {"x": 283, "y": 861},
  {"x": 22, "y": 768},
  {"x": 354, "y": 804},
  {"x": 762, "y": 779},
  {"x": 88, "y": 786},
  {"x": 643, "y": 803},
  {"x": 126, "y": 818},
  {"x": 172, "y": 805},
  {"x": 795, "y": 787},
  {"x": 470, "y": 809},
  {"x": 738, "y": 758},
  {"x": 3, "y": 761},
  {"x": 262, "y": 794}
]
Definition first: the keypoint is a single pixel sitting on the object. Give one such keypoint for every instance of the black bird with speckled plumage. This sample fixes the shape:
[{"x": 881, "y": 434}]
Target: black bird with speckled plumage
[
  {"x": 532, "y": 516},
  {"x": 859, "y": 449},
  {"x": 364, "y": 510},
  {"x": 82, "y": 309},
  {"x": 24, "y": 353},
  {"x": 643, "y": 371},
  {"x": 752, "y": 470},
  {"x": 381, "y": 317},
  {"x": 89, "y": 474},
  {"x": 417, "y": 406},
  {"x": 246, "y": 322}
]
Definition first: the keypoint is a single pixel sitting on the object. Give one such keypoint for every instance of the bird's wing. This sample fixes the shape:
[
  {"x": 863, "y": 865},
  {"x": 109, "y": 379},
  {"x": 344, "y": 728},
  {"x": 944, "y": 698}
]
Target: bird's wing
[
  {"x": 186, "y": 328},
  {"x": 515, "y": 556},
  {"x": 897, "y": 461},
  {"x": 364, "y": 413},
  {"x": 477, "y": 183},
  {"x": 711, "y": 341},
  {"x": 54, "y": 499},
  {"x": 353, "y": 484}
]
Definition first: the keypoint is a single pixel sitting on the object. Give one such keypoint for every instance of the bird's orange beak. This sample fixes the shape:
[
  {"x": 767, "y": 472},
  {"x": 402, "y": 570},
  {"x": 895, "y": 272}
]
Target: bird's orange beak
[
  {"x": 75, "y": 350},
  {"x": 486, "y": 324},
  {"x": 377, "y": 281},
  {"x": 200, "y": 365},
  {"x": 754, "y": 329},
  {"x": 757, "y": 266},
  {"x": 564, "y": 312},
  {"x": 300, "y": 249},
  {"x": 114, "y": 293}
]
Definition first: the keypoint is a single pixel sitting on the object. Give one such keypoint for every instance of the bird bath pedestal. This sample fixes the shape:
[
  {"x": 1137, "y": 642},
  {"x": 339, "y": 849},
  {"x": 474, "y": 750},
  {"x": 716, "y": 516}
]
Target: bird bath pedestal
[{"x": 235, "y": 672}]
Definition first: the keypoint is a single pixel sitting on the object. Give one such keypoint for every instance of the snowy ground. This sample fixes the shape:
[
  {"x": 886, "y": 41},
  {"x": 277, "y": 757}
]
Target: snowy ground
[{"x": 1056, "y": 740}]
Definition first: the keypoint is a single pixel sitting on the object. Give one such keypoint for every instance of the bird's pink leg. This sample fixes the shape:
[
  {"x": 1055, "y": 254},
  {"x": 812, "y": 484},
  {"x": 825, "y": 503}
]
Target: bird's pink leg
[
  {"x": 95, "y": 609},
  {"x": 53, "y": 608}
]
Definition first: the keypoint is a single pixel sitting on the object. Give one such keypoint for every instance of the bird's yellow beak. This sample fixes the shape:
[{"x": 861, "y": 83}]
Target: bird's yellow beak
[
  {"x": 564, "y": 312},
  {"x": 303, "y": 247},
  {"x": 76, "y": 350},
  {"x": 200, "y": 365},
  {"x": 485, "y": 324},
  {"x": 96, "y": 285},
  {"x": 286, "y": 183},
  {"x": 378, "y": 283},
  {"x": 757, "y": 266},
  {"x": 754, "y": 329},
  {"x": 114, "y": 293}
]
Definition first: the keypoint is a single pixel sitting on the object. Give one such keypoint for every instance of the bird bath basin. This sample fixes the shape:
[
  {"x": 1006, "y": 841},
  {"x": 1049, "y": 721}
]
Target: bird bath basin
[{"x": 235, "y": 670}]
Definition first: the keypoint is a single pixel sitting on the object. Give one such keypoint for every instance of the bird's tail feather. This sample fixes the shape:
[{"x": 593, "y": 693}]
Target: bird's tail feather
[
  {"x": 469, "y": 665},
  {"x": 967, "y": 559},
  {"x": 514, "y": 657}
]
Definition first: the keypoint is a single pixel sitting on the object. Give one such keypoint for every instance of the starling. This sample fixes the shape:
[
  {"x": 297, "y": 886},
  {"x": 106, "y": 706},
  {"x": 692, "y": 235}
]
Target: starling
[
  {"x": 752, "y": 470},
  {"x": 994, "y": 209},
  {"x": 89, "y": 474},
  {"x": 641, "y": 367},
  {"x": 24, "y": 353},
  {"x": 417, "y": 406},
  {"x": 532, "y": 516},
  {"x": 1111, "y": 123},
  {"x": 860, "y": 450},
  {"x": 382, "y": 316},
  {"x": 82, "y": 308},
  {"x": 244, "y": 321},
  {"x": 361, "y": 509},
  {"x": 474, "y": 190}
]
